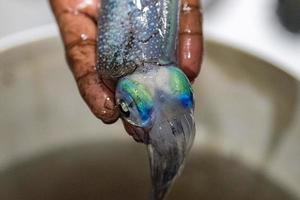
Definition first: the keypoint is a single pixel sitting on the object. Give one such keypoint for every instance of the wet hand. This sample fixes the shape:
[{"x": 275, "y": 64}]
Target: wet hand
[{"x": 77, "y": 21}]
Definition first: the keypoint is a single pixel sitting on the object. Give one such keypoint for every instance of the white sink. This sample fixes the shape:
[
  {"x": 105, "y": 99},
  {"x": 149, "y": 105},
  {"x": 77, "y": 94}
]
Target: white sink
[{"x": 51, "y": 147}]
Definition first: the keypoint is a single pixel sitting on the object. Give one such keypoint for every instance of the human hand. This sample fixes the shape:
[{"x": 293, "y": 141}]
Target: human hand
[{"x": 77, "y": 20}]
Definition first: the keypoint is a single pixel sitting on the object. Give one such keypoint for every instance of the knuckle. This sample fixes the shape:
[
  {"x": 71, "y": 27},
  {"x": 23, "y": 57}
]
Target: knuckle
[
  {"x": 190, "y": 18},
  {"x": 81, "y": 59}
]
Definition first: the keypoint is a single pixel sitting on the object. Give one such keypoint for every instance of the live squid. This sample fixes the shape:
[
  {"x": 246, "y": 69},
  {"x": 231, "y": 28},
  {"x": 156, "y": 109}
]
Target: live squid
[{"x": 137, "y": 45}]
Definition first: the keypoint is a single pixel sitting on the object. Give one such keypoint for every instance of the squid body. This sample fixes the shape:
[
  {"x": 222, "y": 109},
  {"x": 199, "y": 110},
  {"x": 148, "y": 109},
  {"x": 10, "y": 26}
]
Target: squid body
[{"x": 137, "y": 45}]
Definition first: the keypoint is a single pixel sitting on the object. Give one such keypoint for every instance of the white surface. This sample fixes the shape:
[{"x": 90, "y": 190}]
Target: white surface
[
  {"x": 19, "y": 15},
  {"x": 28, "y": 36},
  {"x": 253, "y": 25}
]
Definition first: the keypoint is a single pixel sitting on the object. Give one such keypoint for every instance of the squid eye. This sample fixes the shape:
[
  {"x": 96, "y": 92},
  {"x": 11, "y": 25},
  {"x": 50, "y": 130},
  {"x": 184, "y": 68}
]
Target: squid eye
[
  {"x": 135, "y": 102},
  {"x": 124, "y": 108}
]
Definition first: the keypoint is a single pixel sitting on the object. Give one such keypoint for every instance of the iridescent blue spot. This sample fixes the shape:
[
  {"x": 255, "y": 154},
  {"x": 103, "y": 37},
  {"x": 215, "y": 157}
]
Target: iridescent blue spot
[{"x": 186, "y": 100}]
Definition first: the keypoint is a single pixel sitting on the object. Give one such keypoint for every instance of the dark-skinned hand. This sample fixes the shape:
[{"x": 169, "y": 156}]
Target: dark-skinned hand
[{"x": 77, "y": 21}]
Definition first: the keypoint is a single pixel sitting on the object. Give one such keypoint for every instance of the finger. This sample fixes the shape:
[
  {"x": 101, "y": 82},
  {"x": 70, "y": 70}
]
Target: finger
[
  {"x": 76, "y": 20},
  {"x": 85, "y": 7},
  {"x": 190, "y": 38},
  {"x": 137, "y": 133},
  {"x": 77, "y": 23}
]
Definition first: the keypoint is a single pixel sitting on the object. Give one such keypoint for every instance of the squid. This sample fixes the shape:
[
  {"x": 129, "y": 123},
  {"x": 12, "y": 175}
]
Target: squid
[{"x": 136, "y": 45}]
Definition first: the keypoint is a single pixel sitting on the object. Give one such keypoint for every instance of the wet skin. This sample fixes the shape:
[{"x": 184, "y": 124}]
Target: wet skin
[{"x": 77, "y": 20}]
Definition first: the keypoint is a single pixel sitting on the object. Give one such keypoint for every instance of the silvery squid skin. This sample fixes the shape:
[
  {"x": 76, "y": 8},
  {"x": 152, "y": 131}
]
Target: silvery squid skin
[
  {"x": 135, "y": 32},
  {"x": 137, "y": 44}
]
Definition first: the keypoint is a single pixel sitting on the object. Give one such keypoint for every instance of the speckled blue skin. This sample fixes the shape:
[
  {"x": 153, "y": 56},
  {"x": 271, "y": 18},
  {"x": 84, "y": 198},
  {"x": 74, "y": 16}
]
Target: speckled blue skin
[
  {"x": 137, "y": 45},
  {"x": 135, "y": 32}
]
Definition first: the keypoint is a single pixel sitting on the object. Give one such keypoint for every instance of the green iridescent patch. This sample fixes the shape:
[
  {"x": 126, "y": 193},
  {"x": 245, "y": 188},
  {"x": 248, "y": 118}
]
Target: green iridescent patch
[
  {"x": 180, "y": 87},
  {"x": 141, "y": 96}
]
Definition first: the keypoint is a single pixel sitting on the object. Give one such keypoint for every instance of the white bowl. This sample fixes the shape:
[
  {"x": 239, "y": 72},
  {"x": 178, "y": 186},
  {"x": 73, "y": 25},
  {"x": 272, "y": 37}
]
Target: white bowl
[{"x": 51, "y": 147}]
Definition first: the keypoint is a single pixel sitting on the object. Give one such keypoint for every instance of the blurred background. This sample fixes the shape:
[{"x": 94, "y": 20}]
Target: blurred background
[
  {"x": 268, "y": 28},
  {"x": 247, "y": 113}
]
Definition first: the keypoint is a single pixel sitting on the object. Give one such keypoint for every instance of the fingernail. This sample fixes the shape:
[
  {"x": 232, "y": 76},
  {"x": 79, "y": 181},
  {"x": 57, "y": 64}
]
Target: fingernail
[
  {"x": 109, "y": 112},
  {"x": 109, "y": 104}
]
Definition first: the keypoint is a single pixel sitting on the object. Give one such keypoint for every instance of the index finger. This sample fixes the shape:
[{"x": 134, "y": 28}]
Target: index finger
[
  {"x": 77, "y": 23},
  {"x": 190, "y": 38}
]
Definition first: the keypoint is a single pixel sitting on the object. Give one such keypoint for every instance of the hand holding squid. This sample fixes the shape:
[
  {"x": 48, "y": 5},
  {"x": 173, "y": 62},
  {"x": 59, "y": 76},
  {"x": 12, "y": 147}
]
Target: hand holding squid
[
  {"x": 136, "y": 46},
  {"x": 77, "y": 20}
]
